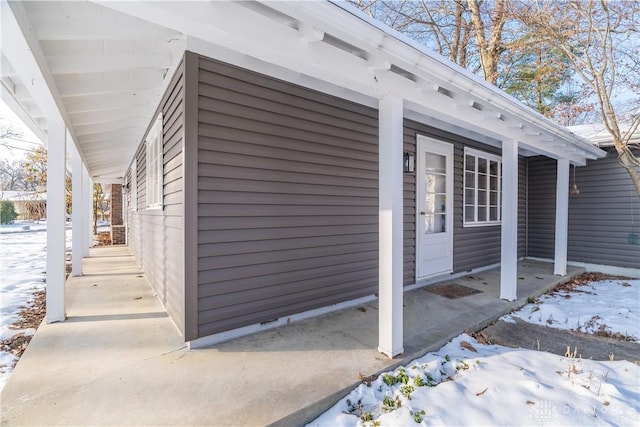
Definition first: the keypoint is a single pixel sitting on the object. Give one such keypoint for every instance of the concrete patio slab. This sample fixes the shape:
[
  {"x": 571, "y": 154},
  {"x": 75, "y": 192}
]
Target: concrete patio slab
[{"x": 119, "y": 360}]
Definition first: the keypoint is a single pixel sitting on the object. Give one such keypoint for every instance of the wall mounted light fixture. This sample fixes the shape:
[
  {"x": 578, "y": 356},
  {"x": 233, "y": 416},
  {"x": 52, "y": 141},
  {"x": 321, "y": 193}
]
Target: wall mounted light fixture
[
  {"x": 409, "y": 162},
  {"x": 574, "y": 190}
]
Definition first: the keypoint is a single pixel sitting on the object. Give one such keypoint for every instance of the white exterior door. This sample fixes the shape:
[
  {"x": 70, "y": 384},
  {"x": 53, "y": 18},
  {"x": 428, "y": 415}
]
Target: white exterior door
[{"x": 434, "y": 207}]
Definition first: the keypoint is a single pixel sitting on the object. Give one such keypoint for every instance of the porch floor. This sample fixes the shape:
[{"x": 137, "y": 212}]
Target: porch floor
[{"x": 118, "y": 359}]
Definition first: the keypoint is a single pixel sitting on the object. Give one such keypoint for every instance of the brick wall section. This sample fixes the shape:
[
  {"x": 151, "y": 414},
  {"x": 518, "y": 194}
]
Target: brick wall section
[{"x": 117, "y": 224}]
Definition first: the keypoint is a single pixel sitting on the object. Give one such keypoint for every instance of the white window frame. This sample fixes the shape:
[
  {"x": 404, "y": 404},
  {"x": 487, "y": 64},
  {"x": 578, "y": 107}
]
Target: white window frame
[
  {"x": 154, "y": 165},
  {"x": 477, "y": 154},
  {"x": 133, "y": 183}
]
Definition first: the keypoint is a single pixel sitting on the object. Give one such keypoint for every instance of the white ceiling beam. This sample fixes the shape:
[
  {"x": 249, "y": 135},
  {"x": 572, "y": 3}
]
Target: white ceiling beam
[
  {"x": 111, "y": 125},
  {"x": 113, "y": 114},
  {"x": 110, "y": 135},
  {"x": 76, "y": 64},
  {"x": 100, "y": 85},
  {"x": 109, "y": 101},
  {"x": 97, "y": 28}
]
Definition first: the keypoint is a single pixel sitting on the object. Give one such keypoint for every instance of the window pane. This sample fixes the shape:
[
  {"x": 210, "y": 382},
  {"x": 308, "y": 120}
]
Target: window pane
[
  {"x": 482, "y": 165},
  {"x": 435, "y": 163},
  {"x": 469, "y": 196},
  {"x": 493, "y": 168},
  {"x": 482, "y": 197},
  {"x": 470, "y": 178},
  {"x": 493, "y": 214},
  {"x": 482, "y": 181},
  {"x": 469, "y": 213},
  {"x": 493, "y": 198},
  {"x": 470, "y": 163},
  {"x": 482, "y": 213},
  {"x": 493, "y": 182}
]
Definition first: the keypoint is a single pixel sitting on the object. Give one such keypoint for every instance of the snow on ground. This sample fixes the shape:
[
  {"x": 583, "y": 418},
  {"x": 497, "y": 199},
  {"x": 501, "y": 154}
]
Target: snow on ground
[
  {"x": 467, "y": 383},
  {"x": 611, "y": 306},
  {"x": 496, "y": 385},
  {"x": 23, "y": 263}
]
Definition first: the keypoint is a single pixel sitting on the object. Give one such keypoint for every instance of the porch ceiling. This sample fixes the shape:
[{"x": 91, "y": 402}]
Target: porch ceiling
[
  {"x": 105, "y": 72},
  {"x": 106, "y": 65}
]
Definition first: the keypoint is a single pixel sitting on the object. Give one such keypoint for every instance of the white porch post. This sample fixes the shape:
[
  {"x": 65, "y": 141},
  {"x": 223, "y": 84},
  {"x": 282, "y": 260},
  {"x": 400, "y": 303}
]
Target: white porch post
[
  {"x": 390, "y": 225},
  {"x": 562, "y": 218},
  {"x": 56, "y": 153},
  {"x": 509, "y": 238},
  {"x": 78, "y": 237},
  {"x": 87, "y": 209}
]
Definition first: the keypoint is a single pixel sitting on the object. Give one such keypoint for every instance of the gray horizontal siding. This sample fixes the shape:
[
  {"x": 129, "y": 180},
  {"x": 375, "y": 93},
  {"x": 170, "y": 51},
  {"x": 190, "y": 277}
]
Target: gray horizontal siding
[
  {"x": 287, "y": 199},
  {"x": 473, "y": 247},
  {"x": 156, "y": 236},
  {"x": 601, "y": 217}
]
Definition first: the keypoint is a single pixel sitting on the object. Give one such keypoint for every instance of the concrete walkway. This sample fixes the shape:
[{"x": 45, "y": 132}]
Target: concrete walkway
[{"x": 118, "y": 359}]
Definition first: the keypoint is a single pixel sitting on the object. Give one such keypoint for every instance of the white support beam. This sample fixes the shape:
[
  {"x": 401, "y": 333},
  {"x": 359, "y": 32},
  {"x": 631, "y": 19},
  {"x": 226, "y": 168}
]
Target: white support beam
[
  {"x": 390, "y": 226},
  {"x": 87, "y": 211},
  {"x": 56, "y": 153},
  {"x": 509, "y": 235},
  {"x": 77, "y": 193},
  {"x": 98, "y": 63},
  {"x": 562, "y": 218}
]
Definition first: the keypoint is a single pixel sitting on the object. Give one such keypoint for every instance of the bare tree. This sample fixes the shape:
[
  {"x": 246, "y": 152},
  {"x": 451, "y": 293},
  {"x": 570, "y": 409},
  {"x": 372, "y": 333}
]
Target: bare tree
[
  {"x": 483, "y": 37},
  {"x": 601, "y": 41},
  {"x": 8, "y": 132},
  {"x": 12, "y": 175},
  {"x": 488, "y": 28}
]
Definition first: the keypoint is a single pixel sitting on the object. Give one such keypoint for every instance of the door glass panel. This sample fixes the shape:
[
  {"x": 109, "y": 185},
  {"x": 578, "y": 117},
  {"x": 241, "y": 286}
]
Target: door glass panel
[
  {"x": 435, "y": 163},
  {"x": 435, "y": 193}
]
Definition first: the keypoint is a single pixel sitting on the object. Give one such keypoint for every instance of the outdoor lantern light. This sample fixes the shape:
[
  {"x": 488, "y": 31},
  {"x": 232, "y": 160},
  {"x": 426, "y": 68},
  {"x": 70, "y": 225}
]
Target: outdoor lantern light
[
  {"x": 574, "y": 191},
  {"x": 409, "y": 162}
]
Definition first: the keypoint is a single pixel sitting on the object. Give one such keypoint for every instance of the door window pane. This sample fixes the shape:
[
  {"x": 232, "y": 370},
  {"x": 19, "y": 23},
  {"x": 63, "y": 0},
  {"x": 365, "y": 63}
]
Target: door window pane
[{"x": 435, "y": 163}]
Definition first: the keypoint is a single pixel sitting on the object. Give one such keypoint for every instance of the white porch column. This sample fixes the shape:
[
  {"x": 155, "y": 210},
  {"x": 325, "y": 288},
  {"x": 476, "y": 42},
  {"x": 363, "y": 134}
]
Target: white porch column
[
  {"x": 390, "y": 159},
  {"x": 87, "y": 211},
  {"x": 562, "y": 217},
  {"x": 78, "y": 237},
  {"x": 509, "y": 237},
  {"x": 56, "y": 153}
]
